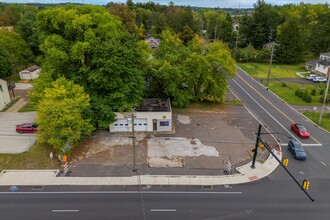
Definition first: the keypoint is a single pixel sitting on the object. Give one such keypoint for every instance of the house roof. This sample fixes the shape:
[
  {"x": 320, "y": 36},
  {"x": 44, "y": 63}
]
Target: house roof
[
  {"x": 326, "y": 54},
  {"x": 155, "y": 40},
  {"x": 325, "y": 62},
  {"x": 32, "y": 68},
  {"x": 154, "y": 105},
  {"x": 313, "y": 62}
]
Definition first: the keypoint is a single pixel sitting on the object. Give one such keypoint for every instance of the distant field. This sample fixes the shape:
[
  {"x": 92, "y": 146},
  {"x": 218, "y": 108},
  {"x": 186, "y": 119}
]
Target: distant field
[{"x": 260, "y": 70}]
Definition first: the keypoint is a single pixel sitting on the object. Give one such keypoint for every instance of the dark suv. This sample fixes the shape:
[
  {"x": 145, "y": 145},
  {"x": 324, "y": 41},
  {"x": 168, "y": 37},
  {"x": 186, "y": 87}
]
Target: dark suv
[{"x": 297, "y": 150}]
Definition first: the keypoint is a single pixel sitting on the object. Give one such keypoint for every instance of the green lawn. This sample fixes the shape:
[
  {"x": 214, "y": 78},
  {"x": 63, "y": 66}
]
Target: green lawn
[
  {"x": 260, "y": 70},
  {"x": 314, "y": 116},
  {"x": 288, "y": 93},
  {"x": 36, "y": 158}
]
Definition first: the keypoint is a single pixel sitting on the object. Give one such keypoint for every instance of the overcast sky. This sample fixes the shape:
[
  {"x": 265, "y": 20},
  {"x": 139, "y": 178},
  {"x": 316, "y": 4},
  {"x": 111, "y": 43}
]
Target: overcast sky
[{"x": 200, "y": 3}]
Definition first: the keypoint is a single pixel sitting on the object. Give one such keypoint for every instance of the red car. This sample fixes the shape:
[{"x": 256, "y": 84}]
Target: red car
[
  {"x": 27, "y": 128},
  {"x": 300, "y": 130}
]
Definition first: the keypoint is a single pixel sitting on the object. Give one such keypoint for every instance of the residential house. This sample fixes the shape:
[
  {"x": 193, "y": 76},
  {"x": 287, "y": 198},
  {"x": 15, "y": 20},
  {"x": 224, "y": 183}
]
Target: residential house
[
  {"x": 4, "y": 94},
  {"x": 320, "y": 66},
  {"x": 153, "y": 115},
  {"x": 30, "y": 72},
  {"x": 152, "y": 42}
]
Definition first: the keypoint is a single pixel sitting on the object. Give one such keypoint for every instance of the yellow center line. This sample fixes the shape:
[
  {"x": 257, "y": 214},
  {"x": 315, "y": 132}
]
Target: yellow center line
[{"x": 273, "y": 105}]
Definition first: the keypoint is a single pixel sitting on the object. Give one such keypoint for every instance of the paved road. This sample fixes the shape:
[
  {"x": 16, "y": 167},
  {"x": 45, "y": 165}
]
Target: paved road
[
  {"x": 277, "y": 116},
  {"x": 275, "y": 199}
]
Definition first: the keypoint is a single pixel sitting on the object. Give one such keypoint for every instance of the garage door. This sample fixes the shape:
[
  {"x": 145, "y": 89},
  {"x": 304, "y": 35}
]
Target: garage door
[
  {"x": 25, "y": 76},
  {"x": 121, "y": 125},
  {"x": 140, "y": 124}
]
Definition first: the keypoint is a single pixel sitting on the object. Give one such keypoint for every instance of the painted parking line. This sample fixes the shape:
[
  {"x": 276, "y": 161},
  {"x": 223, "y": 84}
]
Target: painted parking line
[
  {"x": 126, "y": 192},
  {"x": 65, "y": 210}
]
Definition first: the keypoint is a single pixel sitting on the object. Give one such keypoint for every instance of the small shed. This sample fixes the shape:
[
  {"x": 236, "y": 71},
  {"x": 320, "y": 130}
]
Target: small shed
[
  {"x": 152, "y": 42},
  {"x": 30, "y": 72},
  {"x": 153, "y": 115}
]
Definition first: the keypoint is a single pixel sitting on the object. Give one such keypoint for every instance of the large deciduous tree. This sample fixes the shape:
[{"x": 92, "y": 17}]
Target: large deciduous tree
[
  {"x": 63, "y": 115},
  {"x": 5, "y": 66},
  {"x": 19, "y": 53},
  {"x": 86, "y": 44}
]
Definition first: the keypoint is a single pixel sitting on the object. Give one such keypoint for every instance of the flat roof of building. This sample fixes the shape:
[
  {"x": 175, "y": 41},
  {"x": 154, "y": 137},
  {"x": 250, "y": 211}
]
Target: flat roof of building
[{"x": 155, "y": 105}]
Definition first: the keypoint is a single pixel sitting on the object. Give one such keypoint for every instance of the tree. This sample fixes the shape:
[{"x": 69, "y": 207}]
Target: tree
[
  {"x": 125, "y": 14},
  {"x": 208, "y": 72},
  {"x": 86, "y": 44},
  {"x": 19, "y": 53},
  {"x": 5, "y": 66},
  {"x": 27, "y": 28},
  {"x": 63, "y": 116},
  {"x": 291, "y": 47},
  {"x": 186, "y": 35}
]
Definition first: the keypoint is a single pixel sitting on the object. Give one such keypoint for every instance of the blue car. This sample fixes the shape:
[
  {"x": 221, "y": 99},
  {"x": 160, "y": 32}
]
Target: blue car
[{"x": 297, "y": 150}]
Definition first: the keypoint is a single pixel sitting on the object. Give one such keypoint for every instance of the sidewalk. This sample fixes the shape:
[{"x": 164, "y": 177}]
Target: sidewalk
[{"x": 49, "y": 177}]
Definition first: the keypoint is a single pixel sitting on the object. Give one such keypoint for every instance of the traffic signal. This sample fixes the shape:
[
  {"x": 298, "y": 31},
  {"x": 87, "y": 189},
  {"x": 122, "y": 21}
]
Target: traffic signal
[
  {"x": 305, "y": 185},
  {"x": 285, "y": 161}
]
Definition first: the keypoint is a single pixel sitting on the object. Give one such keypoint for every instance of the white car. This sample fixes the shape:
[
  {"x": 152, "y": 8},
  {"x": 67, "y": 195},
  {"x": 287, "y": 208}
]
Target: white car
[
  {"x": 311, "y": 76},
  {"x": 319, "y": 79}
]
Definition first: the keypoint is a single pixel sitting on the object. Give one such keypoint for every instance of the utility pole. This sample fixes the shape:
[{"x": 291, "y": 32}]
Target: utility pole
[
  {"x": 270, "y": 63},
  {"x": 134, "y": 147},
  {"x": 255, "y": 151},
  {"x": 325, "y": 96}
]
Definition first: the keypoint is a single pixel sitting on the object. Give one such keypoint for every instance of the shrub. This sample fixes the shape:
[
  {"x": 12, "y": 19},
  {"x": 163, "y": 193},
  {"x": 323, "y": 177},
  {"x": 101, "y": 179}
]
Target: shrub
[
  {"x": 300, "y": 94},
  {"x": 297, "y": 92},
  {"x": 321, "y": 91},
  {"x": 313, "y": 92},
  {"x": 305, "y": 95},
  {"x": 309, "y": 99},
  {"x": 283, "y": 84}
]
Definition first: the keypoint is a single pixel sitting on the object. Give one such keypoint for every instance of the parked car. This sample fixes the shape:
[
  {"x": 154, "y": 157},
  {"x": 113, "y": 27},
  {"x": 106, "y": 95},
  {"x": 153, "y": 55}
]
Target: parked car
[
  {"x": 311, "y": 76},
  {"x": 297, "y": 150},
  {"x": 319, "y": 79},
  {"x": 300, "y": 130},
  {"x": 27, "y": 128}
]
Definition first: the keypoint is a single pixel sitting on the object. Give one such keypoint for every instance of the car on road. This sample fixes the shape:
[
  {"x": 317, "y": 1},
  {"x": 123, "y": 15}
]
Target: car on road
[
  {"x": 319, "y": 79},
  {"x": 27, "y": 128},
  {"x": 300, "y": 130},
  {"x": 297, "y": 150},
  {"x": 311, "y": 76}
]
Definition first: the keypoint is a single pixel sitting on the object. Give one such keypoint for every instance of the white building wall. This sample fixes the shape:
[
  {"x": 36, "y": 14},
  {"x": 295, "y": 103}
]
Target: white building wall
[
  {"x": 321, "y": 69},
  {"x": 163, "y": 120},
  {"x": 4, "y": 94}
]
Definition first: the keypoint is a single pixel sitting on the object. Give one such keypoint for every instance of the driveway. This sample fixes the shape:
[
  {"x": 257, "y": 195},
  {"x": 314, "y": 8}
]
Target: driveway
[{"x": 12, "y": 142}]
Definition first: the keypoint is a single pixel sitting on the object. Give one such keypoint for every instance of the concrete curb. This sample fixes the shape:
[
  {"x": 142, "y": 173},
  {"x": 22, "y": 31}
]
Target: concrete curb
[{"x": 50, "y": 178}]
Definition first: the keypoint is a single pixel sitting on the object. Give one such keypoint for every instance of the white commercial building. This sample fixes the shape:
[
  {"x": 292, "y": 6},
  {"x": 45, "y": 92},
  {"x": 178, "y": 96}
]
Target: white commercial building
[
  {"x": 153, "y": 115},
  {"x": 4, "y": 94}
]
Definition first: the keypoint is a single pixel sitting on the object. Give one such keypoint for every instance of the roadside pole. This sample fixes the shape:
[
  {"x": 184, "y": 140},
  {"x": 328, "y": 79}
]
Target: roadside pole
[
  {"x": 133, "y": 137},
  {"x": 325, "y": 97},
  {"x": 255, "y": 151}
]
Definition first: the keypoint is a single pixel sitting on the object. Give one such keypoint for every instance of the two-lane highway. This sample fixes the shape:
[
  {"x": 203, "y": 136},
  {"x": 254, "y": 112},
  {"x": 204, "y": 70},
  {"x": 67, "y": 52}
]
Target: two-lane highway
[{"x": 277, "y": 117}]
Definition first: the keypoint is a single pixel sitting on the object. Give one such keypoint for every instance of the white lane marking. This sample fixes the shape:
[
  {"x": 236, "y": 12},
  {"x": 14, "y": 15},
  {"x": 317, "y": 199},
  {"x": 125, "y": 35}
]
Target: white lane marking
[
  {"x": 266, "y": 110},
  {"x": 305, "y": 145},
  {"x": 123, "y": 192},
  {"x": 163, "y": 210},
  {"x": 65, "y": 210},
  {"x": 323, "y": 163}
]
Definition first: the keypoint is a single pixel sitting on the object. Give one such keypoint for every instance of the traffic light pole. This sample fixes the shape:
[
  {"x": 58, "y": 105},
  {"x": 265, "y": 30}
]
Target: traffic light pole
[
  {"x": 256, "y": 148},
  {"x": 278, "y": 160}
]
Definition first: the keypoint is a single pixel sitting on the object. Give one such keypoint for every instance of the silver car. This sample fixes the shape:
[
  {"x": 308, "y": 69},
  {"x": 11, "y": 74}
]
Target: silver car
[
  {"x": 319, "y": 79},
  {"x": 311, "y": 76}
]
